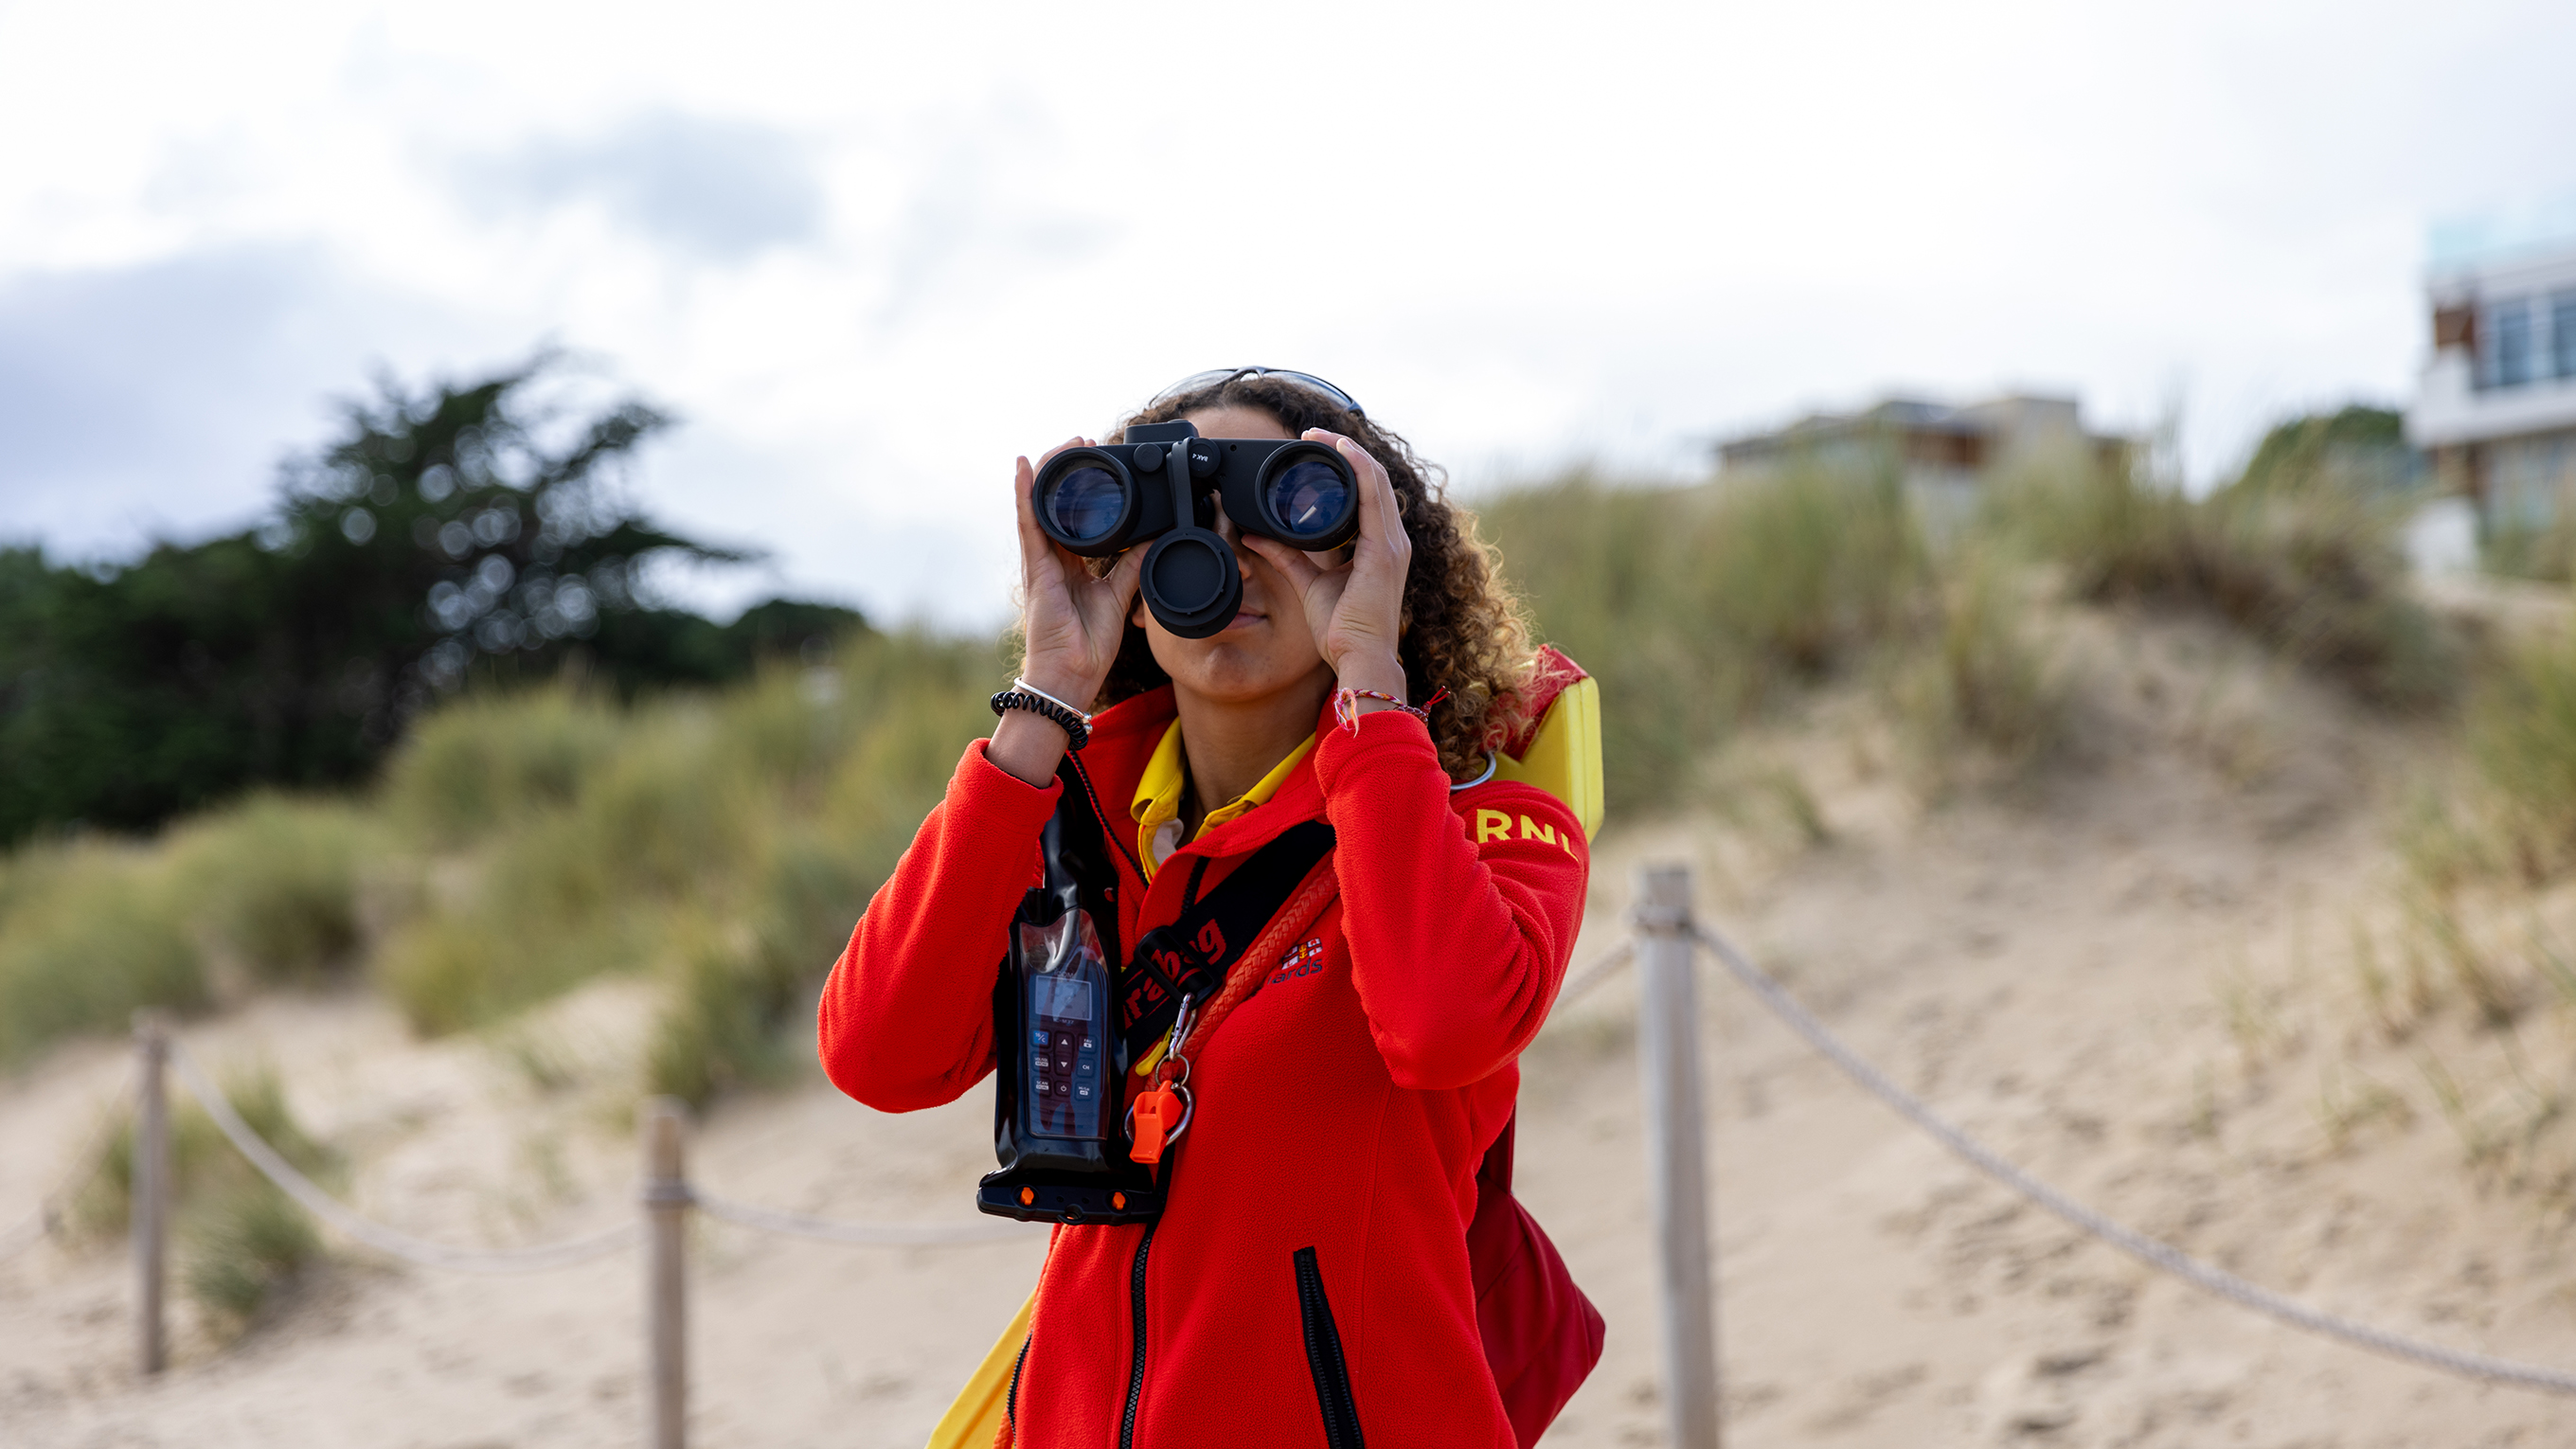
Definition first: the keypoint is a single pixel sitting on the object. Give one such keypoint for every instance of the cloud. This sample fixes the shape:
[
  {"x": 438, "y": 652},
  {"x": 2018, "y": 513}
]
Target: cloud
[
  {"x": 155, "y": 400},
  {"x": 717, "y": 190}
]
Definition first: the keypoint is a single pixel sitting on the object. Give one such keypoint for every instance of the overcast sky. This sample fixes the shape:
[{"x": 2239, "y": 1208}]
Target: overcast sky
[{"x": 870, "y": 252}]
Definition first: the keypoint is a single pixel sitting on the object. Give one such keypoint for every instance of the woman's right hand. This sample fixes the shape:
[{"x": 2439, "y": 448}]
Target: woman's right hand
[{"x": 1073, "y": 625}]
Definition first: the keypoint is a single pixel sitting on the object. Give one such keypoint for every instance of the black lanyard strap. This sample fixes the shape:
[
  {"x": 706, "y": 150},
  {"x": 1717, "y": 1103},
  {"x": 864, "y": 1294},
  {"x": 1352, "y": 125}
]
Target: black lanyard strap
[{"x": 1191, "y": 956}]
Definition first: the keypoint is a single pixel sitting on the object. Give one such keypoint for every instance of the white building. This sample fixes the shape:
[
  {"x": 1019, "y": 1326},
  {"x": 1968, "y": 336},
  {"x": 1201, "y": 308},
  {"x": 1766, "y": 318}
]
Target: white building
[{"x": 2496, "y": 408}]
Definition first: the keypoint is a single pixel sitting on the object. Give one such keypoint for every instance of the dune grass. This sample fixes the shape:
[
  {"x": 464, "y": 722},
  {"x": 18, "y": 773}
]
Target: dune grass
[
  {"x": 89, "y": 931},
  {"x": 520, "y": 844},
  {"x": 239, "y": 1240},
  {"x": 1981, "y": 688},
  {"x": 2312, "y": 571},
  {"x": 1697, "y": 606},
  {"x": 2541, "y": 553},
  {"x": 728, "y": 841},
  {"x": 491, "y": 759},
  {"x": 241, "y": 1248},
  {"x": 523, "y": 842},
  {"x": 275, "y": 881},
  {"x": 2522, "y": 740}
]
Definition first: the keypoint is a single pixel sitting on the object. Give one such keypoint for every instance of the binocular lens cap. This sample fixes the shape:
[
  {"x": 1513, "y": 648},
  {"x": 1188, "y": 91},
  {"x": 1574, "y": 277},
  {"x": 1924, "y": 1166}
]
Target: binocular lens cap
[{"x": 1191, "y": 583}]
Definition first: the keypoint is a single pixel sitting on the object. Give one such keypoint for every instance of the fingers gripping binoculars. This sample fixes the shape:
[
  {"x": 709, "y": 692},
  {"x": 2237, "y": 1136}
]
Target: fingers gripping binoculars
[{"x": 1162, "y": 484}]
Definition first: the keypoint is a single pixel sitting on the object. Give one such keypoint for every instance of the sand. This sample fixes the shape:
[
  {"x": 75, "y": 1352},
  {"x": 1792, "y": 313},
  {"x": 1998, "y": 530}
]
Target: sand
[{"x": 2131, "y": 974}]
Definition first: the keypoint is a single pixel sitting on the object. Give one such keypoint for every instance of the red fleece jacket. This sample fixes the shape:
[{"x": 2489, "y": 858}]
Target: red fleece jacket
[{"x": 1343, "y": 1109}]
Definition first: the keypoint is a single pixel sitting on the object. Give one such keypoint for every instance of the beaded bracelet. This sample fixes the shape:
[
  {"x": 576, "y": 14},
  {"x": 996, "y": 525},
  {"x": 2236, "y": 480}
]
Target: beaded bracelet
[{"x": 1022, "y": 695}]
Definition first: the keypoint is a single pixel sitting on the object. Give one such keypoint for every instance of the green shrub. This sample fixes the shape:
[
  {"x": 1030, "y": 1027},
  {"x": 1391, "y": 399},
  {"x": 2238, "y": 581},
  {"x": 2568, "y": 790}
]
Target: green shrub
[
  {"x": 1693, "y": 606},
  {"x": 730, "y": 1008},
  {"x": 790, "y": 725},
  {"x": 90, "y": 932},
  {"x": 1985, "y": 683},
  {"x": 238, "y": 1238},
  {"x": 581, "y": 888},
  {"x": 720, "y": 1023},
  {"x": 490, "y": 759},
  {"x": 2314, "y": 572},
  {"x": 775, "y": 808},
  {"x": 2522, "y": 734},
  {"x": 239, "y": 1247},
  {"x": 1812, "y": 567},
  {"x": 899, "y": 710},
  {"x": 563, "y": 892},
  {"x": 201, "y": 1161},
  {"x": 2545, "y": 554},
  {"x": 440, "y": 972},
  {"x": 2355, "y": 449},
  {"x": 277, "y": 881},
  {"x": 2115, "y": 535},
  {"x": 673, "y": 810},
  {"x": 1594, "y": 563},
  {"x": 448, "y": 972},
  {"x": 814, "y": 887},
  {"x": 546, "y": 838}
]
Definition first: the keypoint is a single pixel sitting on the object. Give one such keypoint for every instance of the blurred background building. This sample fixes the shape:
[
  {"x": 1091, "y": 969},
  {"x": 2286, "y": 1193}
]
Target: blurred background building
[
  {"x": 2495, "y": 408},
  {"x": 1943, "y": 454}
]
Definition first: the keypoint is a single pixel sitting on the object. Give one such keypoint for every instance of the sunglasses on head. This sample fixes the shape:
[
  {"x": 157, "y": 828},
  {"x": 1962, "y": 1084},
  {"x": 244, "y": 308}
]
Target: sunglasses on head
[{"x": 1201, "y": 381}]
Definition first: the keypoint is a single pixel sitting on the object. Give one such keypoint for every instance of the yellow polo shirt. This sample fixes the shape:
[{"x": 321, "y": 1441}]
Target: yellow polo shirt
[{"x": 1157, "y": 806}]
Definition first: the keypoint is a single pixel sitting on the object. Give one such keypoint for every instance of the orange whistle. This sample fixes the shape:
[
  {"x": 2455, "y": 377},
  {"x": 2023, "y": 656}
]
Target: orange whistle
[{"x": 1158, "y": 1110}]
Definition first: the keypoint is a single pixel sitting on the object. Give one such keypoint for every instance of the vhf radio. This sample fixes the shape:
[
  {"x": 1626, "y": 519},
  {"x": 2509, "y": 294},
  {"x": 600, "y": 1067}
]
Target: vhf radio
[{"x": 1059, "y": 1061}]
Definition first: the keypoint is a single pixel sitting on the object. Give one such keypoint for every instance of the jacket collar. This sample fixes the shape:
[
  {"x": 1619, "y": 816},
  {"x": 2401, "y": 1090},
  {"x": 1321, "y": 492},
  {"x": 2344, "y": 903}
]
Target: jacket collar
[{"x": 1123, "y": 738}]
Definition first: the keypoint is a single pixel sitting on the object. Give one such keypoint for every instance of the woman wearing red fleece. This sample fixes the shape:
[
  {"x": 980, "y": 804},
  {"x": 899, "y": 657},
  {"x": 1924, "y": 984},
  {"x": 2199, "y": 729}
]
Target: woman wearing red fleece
[{"x": 1308, "y": 1282}]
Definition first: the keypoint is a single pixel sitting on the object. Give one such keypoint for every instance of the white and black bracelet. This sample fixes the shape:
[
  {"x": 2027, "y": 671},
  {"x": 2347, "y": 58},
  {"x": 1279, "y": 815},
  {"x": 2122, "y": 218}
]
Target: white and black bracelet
[{"x": 1023, "y": 695}]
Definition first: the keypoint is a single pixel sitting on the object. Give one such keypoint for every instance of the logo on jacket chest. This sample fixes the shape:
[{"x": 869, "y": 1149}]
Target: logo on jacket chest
[{"x": 1303, "y": 960}]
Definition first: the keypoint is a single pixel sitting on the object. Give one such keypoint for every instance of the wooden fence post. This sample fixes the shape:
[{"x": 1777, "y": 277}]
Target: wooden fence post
[
  {"x": 1668, "y": 1030},
  {"x": 148, "y": 1201},
  {"x": 666, "y": 1204}
]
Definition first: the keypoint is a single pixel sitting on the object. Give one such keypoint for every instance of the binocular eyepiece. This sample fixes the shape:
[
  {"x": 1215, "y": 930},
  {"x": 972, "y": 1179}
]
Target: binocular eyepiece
[{"x": 1162, "y": 485}]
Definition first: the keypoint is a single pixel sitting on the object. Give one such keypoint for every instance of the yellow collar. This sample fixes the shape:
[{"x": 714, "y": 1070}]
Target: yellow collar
[{"x": 1157, "y": 806}]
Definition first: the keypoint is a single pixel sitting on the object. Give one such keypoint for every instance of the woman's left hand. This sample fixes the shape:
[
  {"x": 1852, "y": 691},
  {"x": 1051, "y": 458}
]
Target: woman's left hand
[{"x": 1355, "y": 609}]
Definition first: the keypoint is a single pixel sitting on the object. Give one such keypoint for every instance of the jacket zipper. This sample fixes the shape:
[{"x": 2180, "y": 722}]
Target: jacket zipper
[
  {"x": 1324, "y": 1357},
  {"x": 1136, "y": 1359},
  {"x": 1011, "y": 1403}
]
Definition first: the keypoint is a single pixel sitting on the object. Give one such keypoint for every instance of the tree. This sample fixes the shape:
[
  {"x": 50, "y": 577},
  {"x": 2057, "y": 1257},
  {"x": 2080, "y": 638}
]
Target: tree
[
  {"x": 2358, "y": 448},
  {"x": 457, "y": 534}
]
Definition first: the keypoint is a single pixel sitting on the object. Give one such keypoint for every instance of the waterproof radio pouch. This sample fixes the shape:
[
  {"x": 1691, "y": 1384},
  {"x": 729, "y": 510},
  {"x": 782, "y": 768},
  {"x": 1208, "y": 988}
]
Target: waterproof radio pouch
[{"x": 1060, "y": 1063}]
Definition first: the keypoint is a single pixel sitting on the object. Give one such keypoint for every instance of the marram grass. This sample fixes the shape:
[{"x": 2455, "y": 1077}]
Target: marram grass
[{"x": 524, "y": 842}]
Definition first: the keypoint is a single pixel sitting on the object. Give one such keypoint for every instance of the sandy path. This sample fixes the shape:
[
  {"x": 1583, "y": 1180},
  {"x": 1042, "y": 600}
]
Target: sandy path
[{"x": 2057, "y": 971}]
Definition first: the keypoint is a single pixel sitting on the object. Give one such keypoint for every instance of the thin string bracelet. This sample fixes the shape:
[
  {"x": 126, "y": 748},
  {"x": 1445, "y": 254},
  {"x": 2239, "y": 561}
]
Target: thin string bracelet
[{"x": 1346, "y": 706}]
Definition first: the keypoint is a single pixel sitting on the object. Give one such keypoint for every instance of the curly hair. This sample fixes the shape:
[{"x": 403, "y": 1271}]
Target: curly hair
[{"x": 1464, "y": 631}]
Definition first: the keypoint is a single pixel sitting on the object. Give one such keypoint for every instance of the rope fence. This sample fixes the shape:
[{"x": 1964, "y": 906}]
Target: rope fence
[
  {"x": 1668, "y": 937},
  {"x": 423, "y": 1253},
  {"x": 666, "y": 1195},
  {"x": 390, "y": 1241},
  {"x": 2154, "y": 1252},
  {"x": 1665, "y": 948},
  {"x": 1599, "y": 971},
  {"x": 859, "y": 1235}
]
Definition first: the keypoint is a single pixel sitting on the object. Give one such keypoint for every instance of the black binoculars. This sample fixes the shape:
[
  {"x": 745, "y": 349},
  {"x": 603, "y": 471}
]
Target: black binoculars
[{"x": 1162, "y": 484}]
